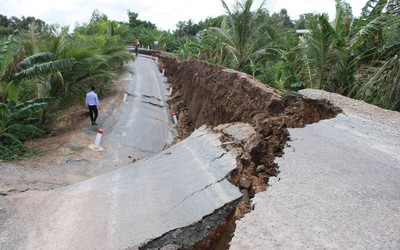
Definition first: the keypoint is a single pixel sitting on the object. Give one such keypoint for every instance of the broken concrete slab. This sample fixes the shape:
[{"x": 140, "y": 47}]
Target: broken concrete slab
[
  {"x": 126, "y": 207},
  {"x": 337, "y": 188}
]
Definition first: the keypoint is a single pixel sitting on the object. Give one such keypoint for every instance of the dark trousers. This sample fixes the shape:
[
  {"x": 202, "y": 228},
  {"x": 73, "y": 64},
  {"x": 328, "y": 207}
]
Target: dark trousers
[{"x": 93, "y": 113}]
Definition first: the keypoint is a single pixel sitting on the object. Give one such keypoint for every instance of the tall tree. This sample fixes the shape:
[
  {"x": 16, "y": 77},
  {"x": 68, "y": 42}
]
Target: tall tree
[
  {"x": 378, "y": 49},
  {"x": 243, "y": 35},
  {"x": 98, "y": 17},
  {"x": 320, "y": 55}
]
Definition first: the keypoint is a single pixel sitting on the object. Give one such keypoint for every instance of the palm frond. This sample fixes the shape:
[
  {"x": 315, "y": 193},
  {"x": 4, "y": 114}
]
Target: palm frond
[
  {"x": 31, "y": 40},
  {"x": 60, "y": 43},
  {"x": 14, "y": 141},
  {"x": 385, "y": 80},
  {"x": 319, "y": 46},
  {"x": 9, "y": 48},
  {"x": 372, "y": 9},
  {"x": 28, "y": 110},
  {"x": 4, "y": 111},
  {"x": 343, "y": 20},
  {"x": 368, "y": 31},
  {"x": 26, "y": 129},
  {"x": 33, "y": 101},
  {"x": 45, "y": 68},
  {"x": 226, "y": 7},
  {"x": 241, "y": 34},
  {"x": 35, "y": 59},
  {"x": 11, "y": 54}
]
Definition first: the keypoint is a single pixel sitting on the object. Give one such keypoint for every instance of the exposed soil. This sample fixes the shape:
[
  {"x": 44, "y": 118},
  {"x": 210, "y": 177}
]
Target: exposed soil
[{"x": 215, "y": 95}]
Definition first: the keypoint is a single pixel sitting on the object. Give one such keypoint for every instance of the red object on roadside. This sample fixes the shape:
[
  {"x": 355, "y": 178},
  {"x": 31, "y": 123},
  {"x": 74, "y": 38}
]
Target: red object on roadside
[
  {"x": 174, "y": 117},
  {"x": 100, "y": 131},
  {"x": 125, "y": 96}
]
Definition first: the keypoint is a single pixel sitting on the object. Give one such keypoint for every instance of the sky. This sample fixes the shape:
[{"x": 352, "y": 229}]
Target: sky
[{"x": 164, "y": 13}]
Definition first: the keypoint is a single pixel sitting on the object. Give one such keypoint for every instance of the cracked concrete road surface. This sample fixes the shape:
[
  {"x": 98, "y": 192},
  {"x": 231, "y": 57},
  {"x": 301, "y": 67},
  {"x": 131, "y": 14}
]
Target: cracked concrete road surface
[
  {"x": 338, "y": 186},
  {"x": 126, "y": 207},
  {"x": 142, "y": 128}
]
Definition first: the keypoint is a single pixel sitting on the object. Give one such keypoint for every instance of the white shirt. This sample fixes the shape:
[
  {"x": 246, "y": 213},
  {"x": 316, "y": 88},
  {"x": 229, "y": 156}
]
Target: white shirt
[{"x": 92, "y": 99}]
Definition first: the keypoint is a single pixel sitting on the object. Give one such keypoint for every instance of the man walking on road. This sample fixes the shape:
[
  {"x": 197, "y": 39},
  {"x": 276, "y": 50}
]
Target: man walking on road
[{"x": 92, "y": 102}]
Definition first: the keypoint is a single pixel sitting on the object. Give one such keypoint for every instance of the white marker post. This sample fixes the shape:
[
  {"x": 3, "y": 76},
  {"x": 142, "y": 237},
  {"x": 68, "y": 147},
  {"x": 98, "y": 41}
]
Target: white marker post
[
  {"x": 156, "y": 59},
  {"x": 174, "y": 117},
  {"x": 125, "y": 96},
  {"x": 170, "y": 91},
  {"x": 163, "y": 71},
  {"x": 98, "y": 138}
]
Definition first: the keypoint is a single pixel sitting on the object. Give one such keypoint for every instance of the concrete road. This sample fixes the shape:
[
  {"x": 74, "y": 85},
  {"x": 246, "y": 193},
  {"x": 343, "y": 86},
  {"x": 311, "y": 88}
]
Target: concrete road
[
  {"x": 133, "y": 130},
  {"x": 143, "y": 126},
  {"x": 124, "y": 208},
  {"x": 339, "y": 187},
  {"x": 184, "y": 186}
]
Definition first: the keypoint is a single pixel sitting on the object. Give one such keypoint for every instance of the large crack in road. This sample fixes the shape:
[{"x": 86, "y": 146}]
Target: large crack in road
[
  {"x": 247, "y": 128},
  {"x": 255, "y": 121}
]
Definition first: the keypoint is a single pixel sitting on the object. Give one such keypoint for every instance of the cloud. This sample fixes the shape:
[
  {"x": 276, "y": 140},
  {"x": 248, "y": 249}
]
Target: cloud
[
  {"x": 298, "y": 7},
  {"x": 165, "y": 14}
]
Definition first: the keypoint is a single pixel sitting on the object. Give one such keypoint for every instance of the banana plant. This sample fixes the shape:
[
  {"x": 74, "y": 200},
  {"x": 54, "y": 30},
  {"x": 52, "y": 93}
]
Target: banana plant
[
  {"x": 16, "y": 123},
  {"x": 15, "y": 67},
  {"x": 189, "y": 50}
]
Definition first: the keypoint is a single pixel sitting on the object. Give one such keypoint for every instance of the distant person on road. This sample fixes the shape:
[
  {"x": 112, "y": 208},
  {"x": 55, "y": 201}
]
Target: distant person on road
[
  {"x": 136, "y": 50},
  {"x": 156, "y": 45},
  {"x": 92, "y": 102},
  {"x": 137, "y": 47}
]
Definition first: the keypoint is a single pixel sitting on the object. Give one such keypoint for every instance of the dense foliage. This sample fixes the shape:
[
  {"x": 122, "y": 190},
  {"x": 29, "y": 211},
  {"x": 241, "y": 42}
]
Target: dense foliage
[
  {"x": 44, "y": 69},
  {"x": 356, "y": 57},
  {"x": 9, "y": 24}
]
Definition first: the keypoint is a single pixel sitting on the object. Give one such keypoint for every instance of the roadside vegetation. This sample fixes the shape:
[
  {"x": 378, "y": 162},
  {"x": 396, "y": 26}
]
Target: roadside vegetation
[
  {"x": 46, "y": 69},
  {"x": 358, "y": 57}
]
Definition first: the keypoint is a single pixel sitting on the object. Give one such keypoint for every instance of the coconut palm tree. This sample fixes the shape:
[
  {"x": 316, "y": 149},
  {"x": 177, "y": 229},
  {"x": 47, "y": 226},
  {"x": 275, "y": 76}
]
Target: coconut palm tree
[
  {"x": 96, "y": 64},
  {"x": 243, "y": 37},
  {"x": 378, "y": 52},
  {"x": 356, "y": 57},
  {"x": 323, "y": 53},
  {"x": 320, "y": 55}
]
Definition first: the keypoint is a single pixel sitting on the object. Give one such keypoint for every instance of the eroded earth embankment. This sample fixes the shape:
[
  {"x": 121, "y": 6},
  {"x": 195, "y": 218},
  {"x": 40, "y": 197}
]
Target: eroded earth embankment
[{"x": 209, "y": 94}]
